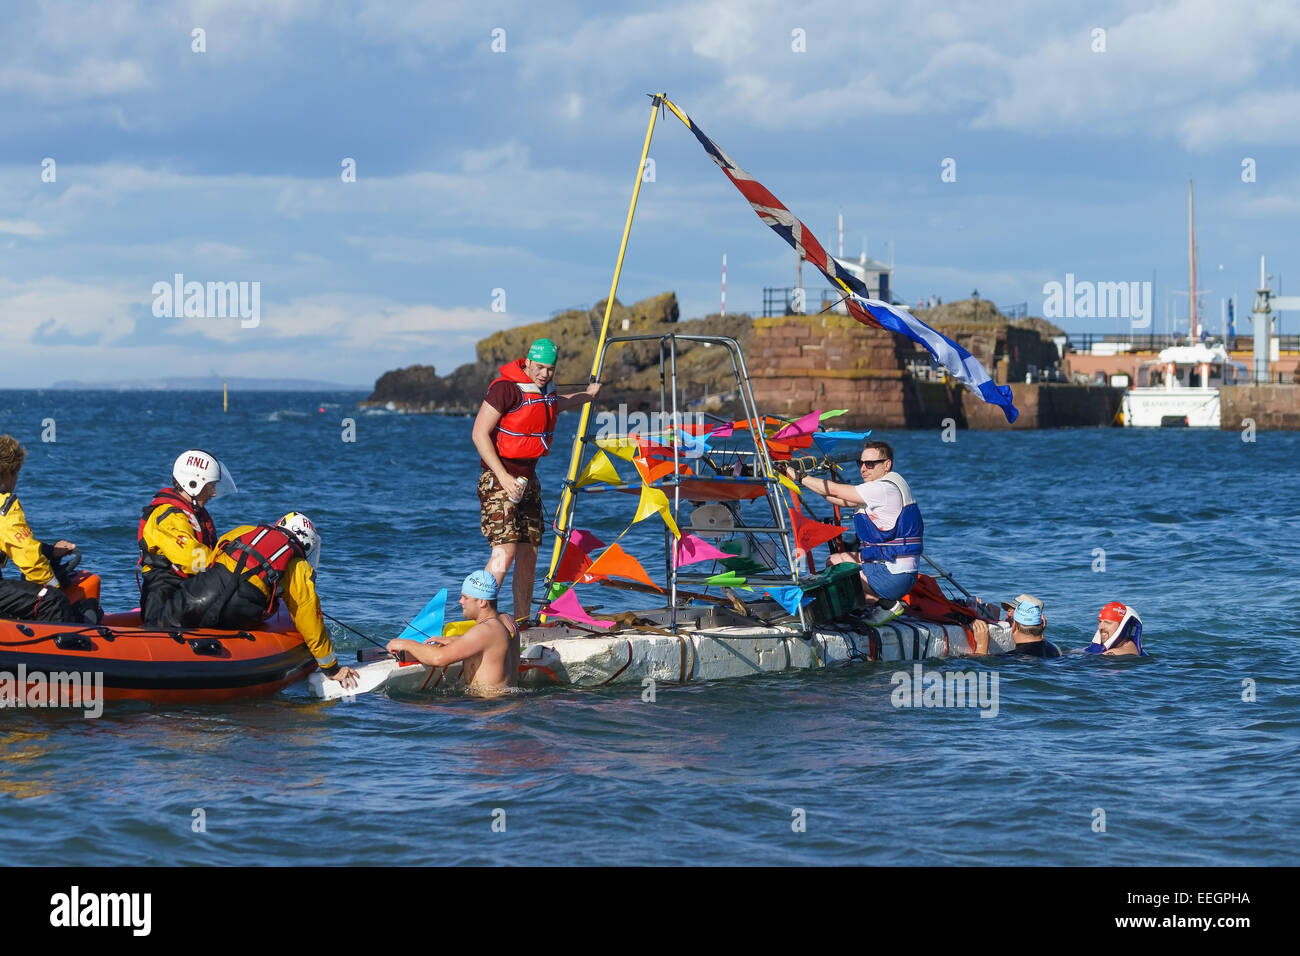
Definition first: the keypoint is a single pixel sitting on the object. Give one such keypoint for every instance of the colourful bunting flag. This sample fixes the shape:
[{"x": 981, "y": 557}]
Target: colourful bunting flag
[
  {"x": 804, "y": 426},
  {"x": 829, "y": 442},
  {"x": 577, "y": 555},
  {"x": 789, "y": 597},
  {"x": 834, "y": 413},
  {"x": 568, "y": 606},
  {"x": 692, "y": 550},
  {"x": 653, "y": 500},
  {"x": 625, "y": 448},
  {"x": 614, "y": 562},
  {"x": 600, "y": 468},
  {"x": 809, "y": 534},
  {"x": 727, "y": 579},
  {"x": 427, "y": 625}
]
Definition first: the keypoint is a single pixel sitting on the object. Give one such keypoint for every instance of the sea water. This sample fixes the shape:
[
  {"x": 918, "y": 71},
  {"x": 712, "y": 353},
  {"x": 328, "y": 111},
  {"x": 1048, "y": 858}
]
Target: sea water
[{"x": 1190, "y": 756}]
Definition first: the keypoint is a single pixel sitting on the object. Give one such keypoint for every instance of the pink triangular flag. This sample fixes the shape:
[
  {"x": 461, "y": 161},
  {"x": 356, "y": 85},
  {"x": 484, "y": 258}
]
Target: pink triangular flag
[
  {"x": 804, "y": 426},
  {"x": 723, "y": 431},
  {"x": 584, "y": 541},
  {"x": 691, "y": 549},
  {"x": 568, "y": 606}
]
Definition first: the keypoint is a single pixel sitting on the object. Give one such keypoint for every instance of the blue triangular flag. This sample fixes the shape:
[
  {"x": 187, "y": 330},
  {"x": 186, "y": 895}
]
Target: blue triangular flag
[
  {"x": 828, "y": 442},
  {"x": 428, "y": 623},
  {"x": 789, "y": 597}
]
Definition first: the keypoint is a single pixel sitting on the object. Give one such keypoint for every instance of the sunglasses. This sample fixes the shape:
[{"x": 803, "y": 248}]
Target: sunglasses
[{"x": 871, "y": 461}]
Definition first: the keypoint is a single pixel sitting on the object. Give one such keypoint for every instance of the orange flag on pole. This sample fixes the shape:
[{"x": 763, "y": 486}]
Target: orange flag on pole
[{"x": 617, "y": 563}]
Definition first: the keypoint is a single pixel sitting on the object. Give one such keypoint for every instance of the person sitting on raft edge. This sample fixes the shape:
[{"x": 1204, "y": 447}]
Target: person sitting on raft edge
[
  {"x": 1026, "y": 622},
  {"x": 1119, "y": 632},
  {"x": 37, "y": 594},
  {"x": 888, "y": 524},
  {"x": 489, "y": 649},
  {"x": 514, "y": 428}
]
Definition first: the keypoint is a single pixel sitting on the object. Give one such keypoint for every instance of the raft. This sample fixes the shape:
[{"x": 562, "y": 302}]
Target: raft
[
  {"x": 177, "y": 666},
  {"x": 710, "y": 644}
]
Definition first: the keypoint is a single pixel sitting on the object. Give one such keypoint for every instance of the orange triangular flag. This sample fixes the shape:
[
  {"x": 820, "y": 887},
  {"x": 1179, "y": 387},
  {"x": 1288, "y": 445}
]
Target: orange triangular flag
[{"x": 614, "y": 562}]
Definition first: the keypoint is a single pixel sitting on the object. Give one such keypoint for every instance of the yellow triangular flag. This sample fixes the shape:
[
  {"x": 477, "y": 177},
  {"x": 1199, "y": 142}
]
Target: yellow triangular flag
[
  {"x": 790, "y": 484},
  {"x": 623, "y": 447},
  {"x": 600, "y": 468},
  {"x": 653, "y": 500}
]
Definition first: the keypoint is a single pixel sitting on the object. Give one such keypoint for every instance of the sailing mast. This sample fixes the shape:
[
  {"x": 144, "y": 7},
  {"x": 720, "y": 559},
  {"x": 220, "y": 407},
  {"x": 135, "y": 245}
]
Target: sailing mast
[{"x": 1191, "y": 266}]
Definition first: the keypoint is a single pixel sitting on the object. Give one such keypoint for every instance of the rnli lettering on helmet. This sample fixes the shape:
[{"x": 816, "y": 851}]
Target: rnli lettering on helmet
[{"x": 197, "y": 462}]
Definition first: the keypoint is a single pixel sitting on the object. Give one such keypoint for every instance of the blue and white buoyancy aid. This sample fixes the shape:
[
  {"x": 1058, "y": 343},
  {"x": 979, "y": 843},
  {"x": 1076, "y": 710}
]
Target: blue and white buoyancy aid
[
  {"x": 1130, "y": 629},
  {"x": 902, "y": 540}
]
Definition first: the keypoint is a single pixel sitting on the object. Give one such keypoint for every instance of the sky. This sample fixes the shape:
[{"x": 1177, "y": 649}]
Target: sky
[{"x": 495, "y": 146}]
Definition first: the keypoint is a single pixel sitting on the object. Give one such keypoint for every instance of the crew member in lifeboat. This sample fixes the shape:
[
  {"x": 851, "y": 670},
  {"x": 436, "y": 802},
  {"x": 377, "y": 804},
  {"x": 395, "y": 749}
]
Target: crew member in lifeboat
[
  {"x": 253, "y": 567},
  {"x": 176, "y": 535},
  {"x": 888, "y": 524},
  {"x": 37, "y": 594},
  {"x": 1119, "y": 632},
  {"x": 514, "y": 428}
]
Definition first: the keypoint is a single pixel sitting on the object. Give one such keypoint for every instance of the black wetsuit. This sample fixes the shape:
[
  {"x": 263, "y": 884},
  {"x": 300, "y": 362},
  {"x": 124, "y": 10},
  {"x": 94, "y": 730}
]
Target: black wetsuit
[{"x": 1043, "y": 648}]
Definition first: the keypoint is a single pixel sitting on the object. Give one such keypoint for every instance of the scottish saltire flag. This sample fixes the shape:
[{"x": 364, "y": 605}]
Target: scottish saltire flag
[{"x": 873, "y": 312}]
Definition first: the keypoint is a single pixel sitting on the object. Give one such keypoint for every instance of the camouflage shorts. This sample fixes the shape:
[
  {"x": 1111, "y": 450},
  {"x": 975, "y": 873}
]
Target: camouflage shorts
[{"x": 522, "y": 523}]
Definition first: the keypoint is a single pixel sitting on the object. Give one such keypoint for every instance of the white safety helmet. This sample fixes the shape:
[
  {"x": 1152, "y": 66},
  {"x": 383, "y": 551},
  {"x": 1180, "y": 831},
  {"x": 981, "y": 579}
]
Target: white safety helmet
[
  {"x": 196, "y": 469},
  {"x": 302, "y": 528}
]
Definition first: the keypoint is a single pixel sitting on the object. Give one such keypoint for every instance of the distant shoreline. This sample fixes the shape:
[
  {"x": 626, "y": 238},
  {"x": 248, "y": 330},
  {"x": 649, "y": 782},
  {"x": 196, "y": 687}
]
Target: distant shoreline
[{"x": 233, "y": 386}]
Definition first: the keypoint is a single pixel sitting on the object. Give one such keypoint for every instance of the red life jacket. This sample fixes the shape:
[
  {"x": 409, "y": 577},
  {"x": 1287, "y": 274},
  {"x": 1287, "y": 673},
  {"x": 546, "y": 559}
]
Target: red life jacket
[
  {"x": 200, "y": 520},
  {"x": 264, "y": 552},
  {"x": 525, "y": 432}
]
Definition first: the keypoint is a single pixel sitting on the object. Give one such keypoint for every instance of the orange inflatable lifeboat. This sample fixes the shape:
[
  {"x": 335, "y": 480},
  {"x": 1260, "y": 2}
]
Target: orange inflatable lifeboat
[{"x": 165, "y": 666}]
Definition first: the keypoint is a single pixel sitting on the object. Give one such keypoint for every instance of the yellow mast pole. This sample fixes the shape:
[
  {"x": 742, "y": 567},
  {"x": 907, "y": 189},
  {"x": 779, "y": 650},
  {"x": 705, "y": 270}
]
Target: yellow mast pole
[{"x": 566, "y": 498}]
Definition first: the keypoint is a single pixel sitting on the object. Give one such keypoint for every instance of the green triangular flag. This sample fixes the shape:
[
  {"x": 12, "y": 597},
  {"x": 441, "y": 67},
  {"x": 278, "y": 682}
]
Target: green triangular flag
[
  {"x": 727, "y": 579},
  {"x": 556, "y": 589},
  {"x": 833, "y": 413}
]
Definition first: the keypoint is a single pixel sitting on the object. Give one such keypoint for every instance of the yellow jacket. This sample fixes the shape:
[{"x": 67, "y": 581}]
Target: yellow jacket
[
  {"x": 168, "y": 532},
  {"x": 297, "y": 586},
  {"x": 19, "y": 545}
]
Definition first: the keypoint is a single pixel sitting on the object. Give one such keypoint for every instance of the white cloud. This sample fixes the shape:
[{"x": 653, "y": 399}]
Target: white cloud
[
  {"x": 20, "y": 227},
  {"x": 1249, "y": 120}
]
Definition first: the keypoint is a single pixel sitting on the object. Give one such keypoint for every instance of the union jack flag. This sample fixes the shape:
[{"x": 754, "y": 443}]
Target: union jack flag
[{"x": 872, "y": 312}]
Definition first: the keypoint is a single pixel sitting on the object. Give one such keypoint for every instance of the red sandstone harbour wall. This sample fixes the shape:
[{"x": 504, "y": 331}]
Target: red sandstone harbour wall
[{"x": 1270, "y": 407}]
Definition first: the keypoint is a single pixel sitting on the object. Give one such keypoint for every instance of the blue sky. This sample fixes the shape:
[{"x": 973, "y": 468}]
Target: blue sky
[{"x": 478, "y": 170}]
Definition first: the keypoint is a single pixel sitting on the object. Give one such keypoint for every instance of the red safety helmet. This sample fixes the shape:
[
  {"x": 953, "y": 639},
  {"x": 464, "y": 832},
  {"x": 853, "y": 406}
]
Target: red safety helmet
[{"x": 1114, "y": 611}]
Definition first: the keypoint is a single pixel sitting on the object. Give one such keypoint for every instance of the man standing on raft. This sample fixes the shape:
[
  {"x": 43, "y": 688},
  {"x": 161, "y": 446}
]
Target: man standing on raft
[{"x": 514, "y": 428}]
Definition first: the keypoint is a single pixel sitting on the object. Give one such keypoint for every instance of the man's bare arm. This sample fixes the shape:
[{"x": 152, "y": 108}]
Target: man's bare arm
[
  {"x": 564, "y": 403},
  {"x": 469, "y": 644}
]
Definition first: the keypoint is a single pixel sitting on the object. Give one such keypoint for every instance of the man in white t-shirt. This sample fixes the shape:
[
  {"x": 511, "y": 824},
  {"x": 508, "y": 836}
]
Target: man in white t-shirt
[{"x": 888, "y": 523}]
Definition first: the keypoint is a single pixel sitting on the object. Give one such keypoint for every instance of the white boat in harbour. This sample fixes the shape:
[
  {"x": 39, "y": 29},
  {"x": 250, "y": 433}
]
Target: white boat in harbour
[{"x": 1180, "y": 387}]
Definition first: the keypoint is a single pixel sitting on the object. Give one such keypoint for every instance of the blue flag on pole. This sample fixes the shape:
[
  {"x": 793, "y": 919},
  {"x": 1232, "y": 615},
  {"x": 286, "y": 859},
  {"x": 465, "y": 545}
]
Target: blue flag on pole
[{"x": 428, "y": 623}]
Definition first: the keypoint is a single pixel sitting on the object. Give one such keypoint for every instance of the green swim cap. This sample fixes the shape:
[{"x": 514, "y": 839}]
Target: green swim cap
[{"x": 544, "y": 352}]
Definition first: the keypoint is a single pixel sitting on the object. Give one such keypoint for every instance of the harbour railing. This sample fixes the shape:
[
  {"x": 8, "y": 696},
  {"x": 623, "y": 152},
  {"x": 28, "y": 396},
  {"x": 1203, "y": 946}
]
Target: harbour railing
[{"x": 1155, "y": 341}]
